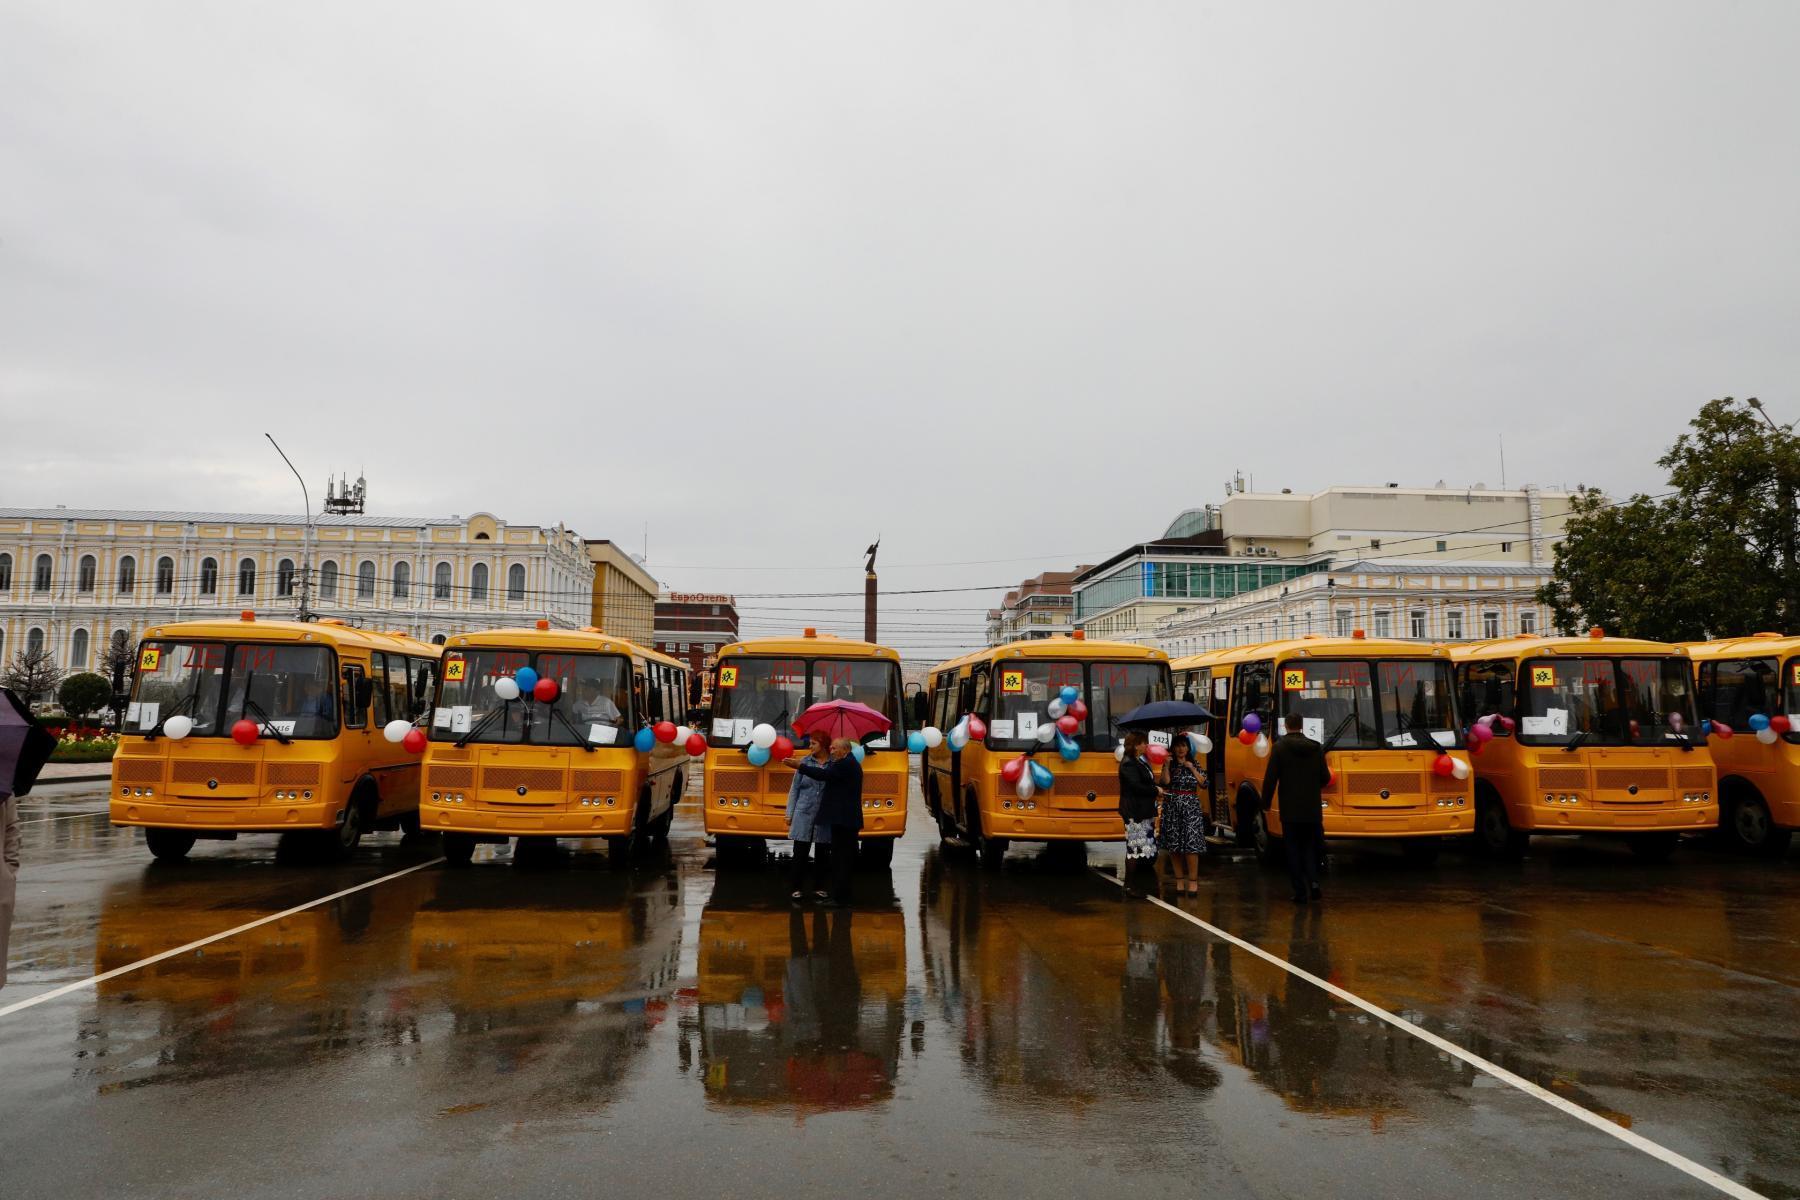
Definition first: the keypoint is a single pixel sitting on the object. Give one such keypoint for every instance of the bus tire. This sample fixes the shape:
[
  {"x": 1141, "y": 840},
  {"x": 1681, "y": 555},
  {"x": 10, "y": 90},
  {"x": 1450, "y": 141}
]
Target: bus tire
[
  {"x": 410, "y": 826},
  {"x": 459, "y": 850},
  {"x": 1247, "y": 806},
  {"x": 1495, "y": 836},
  {"x": 989, "y": 852},
  {"x": 168, "y": 845},
  {"x": 1269, "y": 849},
  {"x": 342, "y": 842},
  {"x": 876, "y": 853},
  {"x": 1653, "y": 847},
  {"x": 1747, "y": 826}
]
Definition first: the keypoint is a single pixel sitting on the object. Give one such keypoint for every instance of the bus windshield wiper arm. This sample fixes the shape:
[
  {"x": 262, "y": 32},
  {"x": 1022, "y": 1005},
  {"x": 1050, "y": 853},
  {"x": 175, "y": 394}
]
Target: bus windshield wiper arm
[
  {"x": 1580, "y": 737},
  {"x": 262, "y": 716},
  {"x": 175, "y": 710},
  {"x": 1339, "y": 731},
  {"x": 558, "y": 714},
  {"x": 483, "y": 723}
]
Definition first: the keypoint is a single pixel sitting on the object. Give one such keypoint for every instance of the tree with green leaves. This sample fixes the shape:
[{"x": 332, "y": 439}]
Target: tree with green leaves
[
  {"x": 1713, "y": 557},
  {"x": 82, "y": 693}
]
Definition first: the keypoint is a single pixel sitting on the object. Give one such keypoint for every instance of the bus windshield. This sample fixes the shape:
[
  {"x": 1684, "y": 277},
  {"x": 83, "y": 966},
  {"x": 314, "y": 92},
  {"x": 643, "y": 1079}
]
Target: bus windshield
[
  {"x": 1414, "y": 697},
  {"x": 1023, "y": 692},
  {"x": 291, "y": 688},
  {"x": 592, "y": 706},
  {"x": 1336, "y": 700},
  {"x": 1790, "y": 692},
  {"x": 1603, "y": 701},
  {"x": 775, "y": 691}
]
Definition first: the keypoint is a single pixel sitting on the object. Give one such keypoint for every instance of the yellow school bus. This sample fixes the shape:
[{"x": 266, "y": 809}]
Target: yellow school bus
[
  {"x": 1759, "y": 785},
  {"x": 501, "y": 765},
  {"x": 1010, "y": 688},
  {"x": 317, "y": 695},
  {"x": 1602, "y": 739},
  {"x": 1385, "y": 711},
  {"x": 771, "y": 681}
]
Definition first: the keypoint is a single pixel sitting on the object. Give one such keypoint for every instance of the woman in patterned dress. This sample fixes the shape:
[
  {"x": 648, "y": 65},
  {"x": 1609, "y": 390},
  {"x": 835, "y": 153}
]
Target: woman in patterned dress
[
  {"x": 1137, "y": 804},
  {"x": 1182, "y": 835}
]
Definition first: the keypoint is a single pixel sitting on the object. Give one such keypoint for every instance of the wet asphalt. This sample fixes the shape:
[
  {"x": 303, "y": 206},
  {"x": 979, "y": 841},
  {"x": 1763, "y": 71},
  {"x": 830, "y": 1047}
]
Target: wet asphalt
[{"x": 561, "y": 1028}]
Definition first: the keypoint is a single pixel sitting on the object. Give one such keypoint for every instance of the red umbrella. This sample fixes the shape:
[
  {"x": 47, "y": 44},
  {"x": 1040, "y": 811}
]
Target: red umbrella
[{"x": 841, "y": 719}]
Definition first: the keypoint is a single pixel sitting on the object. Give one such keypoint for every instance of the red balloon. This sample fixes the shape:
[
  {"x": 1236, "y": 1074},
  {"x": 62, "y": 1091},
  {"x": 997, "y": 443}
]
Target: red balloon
[
  {"x": 244, "y": 732},
  {"x": 1508, "y": 724},
  {"x": 1636, "y": 731},
  {"x": 1330, "y": 777},
  {"x": 664, "y": 731},
  {"x": 696, "y": 744},
  {"x": 1780, "y": 723},
  {"x": 546, "y": 691},
  {"x": 1068, "y": 724},
  {"x": 414, "y": 741},
  {"x": 1078, "y": 710},
  {"x": 1246, "y": 737},
  {"x": 1158, "y": 753},
  {"x": 1723, "y": 730},
  {"x": 782, "y": 750},
  {"x": 1443, "y": 765},
  {"x": 977, "y": 728},
  {"x": 1012, "y": 769},
  {"x": 1475, "y": 745}
]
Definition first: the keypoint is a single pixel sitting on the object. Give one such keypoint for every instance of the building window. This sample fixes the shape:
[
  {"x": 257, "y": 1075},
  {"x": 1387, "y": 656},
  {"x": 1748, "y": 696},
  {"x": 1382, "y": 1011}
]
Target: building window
[
  {"x": 1453, "y": 624},
  {"x": 127, "y": 574},
  {"x": 5, "y": 572},
  {"x": 712, "y": 647},
  {"x": 481, "y": 537},
  {"x": 209, "y": 577},
  {"x": 440, "y": 582},
  {"x": 402, "y": 580},
  {"x": 34, "y": 642},
  {"x": 85, "y": 572},
  {"x": 40, "y": 575},
  {"x": 1442, "y": 546},
  {"x": 1346, "y": 617},
  {"x": 247, "y": 577},
  {"x": 1528, "y": 621},
  {"x": 1374, "y": 543},
  {"x": 365, "y": 581},
  {"x": 78, "y": 648},
  {"x": 478, "y": 584},
  {"x": 328, "y": 581},
  {"x": 1384, "y": 623},
  {"x": 165, "y": 576},
  {"x": 438, "y": 639},
  {"x": 1490, "y": 624},
  {"x": 1417, "y": 620},
  {"x": 1506, "y": 547},
  {"x": 284, "y": 577},
  {"x": 515, "y": 582}
]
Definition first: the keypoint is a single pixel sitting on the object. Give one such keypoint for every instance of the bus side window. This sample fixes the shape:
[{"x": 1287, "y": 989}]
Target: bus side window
[
  {"x": 1254, "y": 696},
  {"x": 1734, "y": 689},
  {"x": 424, "y": 677},
  {"x": 356, "y": 697},
  {"x": 1484, "y": 688},
  {"x": 984, "y": 699},
  {"x": 378, "y": 675}
]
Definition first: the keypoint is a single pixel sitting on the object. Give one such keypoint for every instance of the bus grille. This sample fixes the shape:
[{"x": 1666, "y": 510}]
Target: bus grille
[
  {"x": 1555, "y": 779},
  {"x": 1624, "y": 777},
  {"x": 596, "y": 781},
  {"x": 1448, "y": 783},
  {"x": 737, "y": 781},
  {"x": 1690, "y": 779},
  {"x": 883, "y": 785},
  {"x": 1373, "y": 783},
  {"x": 1080, "y": 785},
  {"x": 224, "y": 772},
  {"x": 138, "y": 770},
  {"x": 510, "y": 778},
  {"x": 291, "y": 774},
  {"x": 451, "y": 776}
]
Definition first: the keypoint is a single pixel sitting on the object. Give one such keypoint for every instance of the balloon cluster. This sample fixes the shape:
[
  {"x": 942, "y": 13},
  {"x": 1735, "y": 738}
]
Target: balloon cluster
[
  {"x": 1027, "y": 776},
  {"x": 1252, "y": 734},
  {"x": 526, "y": 683},
  {"x": 970, "y": 729},
  {"x": 402, "y": 733},
  {"x": 1768, "y": 730},
  {"x": 921, "y": 740},
  {"x": 1447, "y": 766},
  {"x": 1068, "y": 712},
  {"x": 1482, "y": 731}
]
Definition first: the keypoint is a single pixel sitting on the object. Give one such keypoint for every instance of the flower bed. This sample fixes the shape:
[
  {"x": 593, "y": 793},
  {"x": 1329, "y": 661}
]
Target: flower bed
[{"x": 85, "y": 747}]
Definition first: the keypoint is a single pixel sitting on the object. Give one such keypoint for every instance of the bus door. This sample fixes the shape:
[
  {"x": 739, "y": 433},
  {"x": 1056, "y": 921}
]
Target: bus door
[
  {"x": 962, "y": 696},
  {"x": 1218, "y": 702}
]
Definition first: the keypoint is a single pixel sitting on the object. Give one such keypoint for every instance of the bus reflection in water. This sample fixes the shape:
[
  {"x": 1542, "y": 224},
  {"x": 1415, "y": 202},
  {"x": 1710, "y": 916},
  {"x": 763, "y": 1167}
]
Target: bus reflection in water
[{"x": 798, "y": 1009}]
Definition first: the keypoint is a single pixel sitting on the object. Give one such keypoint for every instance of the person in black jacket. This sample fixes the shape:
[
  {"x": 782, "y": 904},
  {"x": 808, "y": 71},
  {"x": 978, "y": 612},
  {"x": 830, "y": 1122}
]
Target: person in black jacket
[
  {"x": 1298, "y": 772},
  {"x": 1137, "y": 804},
  {"x": 841, "y": 809}
]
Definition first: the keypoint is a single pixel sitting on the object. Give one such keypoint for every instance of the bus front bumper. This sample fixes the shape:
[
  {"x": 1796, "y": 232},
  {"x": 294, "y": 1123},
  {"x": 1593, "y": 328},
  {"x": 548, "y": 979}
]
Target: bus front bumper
[
  {"x": 543, "y": 822},
  {"x": 1435, "y": 823},
  {"x": 771, "y": 823},
  {"x": 1599, "y": 818},
  {"x": 172, "y": 813}
]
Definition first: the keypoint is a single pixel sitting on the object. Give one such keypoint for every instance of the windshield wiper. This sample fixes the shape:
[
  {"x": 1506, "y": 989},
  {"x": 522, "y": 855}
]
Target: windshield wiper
[
  {"x": 1580, "y": 737},
  {"x": 1339, "y": 731},
  {"x": 262, "y": 716},
  {"x": 482, "y": 724},
  {"x": 557, "y": 713},
  {"x": 1419, "y": 738},
  {"x": 175, "y": 710}
]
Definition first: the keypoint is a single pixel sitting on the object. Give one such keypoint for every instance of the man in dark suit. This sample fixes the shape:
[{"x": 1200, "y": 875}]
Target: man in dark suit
[
  {"x": 840, "y": 808},
  {"x": 1298, "y": 772}
]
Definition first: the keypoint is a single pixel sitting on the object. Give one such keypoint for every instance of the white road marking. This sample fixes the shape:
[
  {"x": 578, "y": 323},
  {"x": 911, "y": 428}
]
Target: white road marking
[
  {"x": 79, "y": 984},
  {"x": 98, "y": 812},
  {"x": 1635, "y": 1140}
]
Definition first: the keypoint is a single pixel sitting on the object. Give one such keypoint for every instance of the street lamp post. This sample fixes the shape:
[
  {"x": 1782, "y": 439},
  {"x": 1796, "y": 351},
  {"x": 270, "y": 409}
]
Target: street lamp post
[
  {"x": 1790, "y": 568},
  {"x": 306, "y": 538}
]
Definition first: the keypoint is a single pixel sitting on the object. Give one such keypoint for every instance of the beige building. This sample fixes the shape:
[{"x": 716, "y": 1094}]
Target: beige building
[
  {"x": 1040, "y": 607},
  {"x": 624, "y": 593},
  {"x": 73, "y": 579},
  {"x": 1476, "y": 523}
]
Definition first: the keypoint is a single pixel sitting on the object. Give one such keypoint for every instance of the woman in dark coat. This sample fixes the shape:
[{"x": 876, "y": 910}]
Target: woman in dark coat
[{"x": 1137, "y": 804}]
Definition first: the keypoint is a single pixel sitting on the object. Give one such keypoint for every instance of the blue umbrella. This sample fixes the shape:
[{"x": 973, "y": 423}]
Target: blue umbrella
[{"x": 1164, "y": 714}]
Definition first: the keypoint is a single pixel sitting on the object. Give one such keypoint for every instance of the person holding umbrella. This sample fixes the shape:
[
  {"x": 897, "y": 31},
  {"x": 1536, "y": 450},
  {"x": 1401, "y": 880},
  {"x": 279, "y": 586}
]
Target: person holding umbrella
[
  {"x": 846, "y": 723},
  {"x": 24, "y": 749},
  {"x": 1182, "y": 833},
  {"x": 1141, "y": 785}
]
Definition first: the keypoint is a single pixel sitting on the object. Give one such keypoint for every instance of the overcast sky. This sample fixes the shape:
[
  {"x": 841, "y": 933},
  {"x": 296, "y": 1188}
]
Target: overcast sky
[{"x": 998, "y": 281}]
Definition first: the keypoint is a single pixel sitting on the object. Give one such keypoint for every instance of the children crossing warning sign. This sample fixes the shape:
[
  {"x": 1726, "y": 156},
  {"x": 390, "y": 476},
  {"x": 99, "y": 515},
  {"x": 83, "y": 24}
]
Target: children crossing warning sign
[{"x": 1012, "y": 683}]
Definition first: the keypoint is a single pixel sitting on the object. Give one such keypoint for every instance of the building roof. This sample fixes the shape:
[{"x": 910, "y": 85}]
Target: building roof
[
  {"x": 215, "y": 518},
  {"x": 1212, "y": 542},
  {"x": 1437, "y": 566}
]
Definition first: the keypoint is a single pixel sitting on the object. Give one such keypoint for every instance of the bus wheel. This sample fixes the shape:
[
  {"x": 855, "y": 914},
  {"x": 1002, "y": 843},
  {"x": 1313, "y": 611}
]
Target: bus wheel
[
  {"x": 1494, "y": 835},
  {"x": 459, "y": 849},
  {"x": 168, "y": 845},
  {"x": 1268, "y": 846},
  {"x": 1243, "y": 826},
  {"x": 659, "y": 829},
  {"x": 619, "y": 851},
  {"x": 1654, "y": 847},
  {"x": 1747, "y": 826},
  {"x": 1421, "y": 852},
  {"x": 876, "y": 853},
  {"x": 991, "y": 851},
  {"x": 348, "y": 836},
  {"x": 410, "y": 826}
]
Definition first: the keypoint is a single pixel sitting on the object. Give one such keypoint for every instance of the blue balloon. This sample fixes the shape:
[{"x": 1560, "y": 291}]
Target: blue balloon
[
  {"x": 1758, "y": 722},
  {"x": 1041, "y": 778},
  {"x": 644, "y": 740},
  {"x": 856, "y": 748},
  {"x": 915, "y": 742},
  {"x": 1706, "y": 729},
  {"x": 1070, "y": 694},
  {"x": 526, "y": 679},
  {"x": 758, "y": 756},
  {"x": 1067, "y": 747}
]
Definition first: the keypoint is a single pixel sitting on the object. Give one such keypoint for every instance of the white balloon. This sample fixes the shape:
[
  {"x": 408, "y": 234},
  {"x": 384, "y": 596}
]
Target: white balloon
[
  {"x": 1057, "y": 708},
  {"x": 178, "y": 727},
  {"x": 1203, "y": 745},
  {"x": 763, "y": 735},
  {"x": 506, "y": 687},
  {"x": 959, "y": 737},
  {"x": 934, "y": 737},
  {"x": 1767, "y": 737},
  {"x": 1260, "y": 746},
  {"x": 1459, "y": 768},
  {"x": 1119, "y": 752},
  {"x": 1046, "y": 733},
  {"x": 683, "y": 733},
  {"x": 1025, "y": 789},
  {"x": 396, "y": 730}
]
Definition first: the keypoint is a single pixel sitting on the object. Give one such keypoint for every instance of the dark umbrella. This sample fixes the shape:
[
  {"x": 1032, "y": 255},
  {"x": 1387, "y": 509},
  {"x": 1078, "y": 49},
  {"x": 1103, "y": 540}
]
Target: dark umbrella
[
  {"x": 25, "y": 746},
  {"x": 1164, "y": 714}
]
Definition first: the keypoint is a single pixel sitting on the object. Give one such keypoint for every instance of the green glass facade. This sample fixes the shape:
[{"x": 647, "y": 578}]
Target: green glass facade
[{"x": 1198, "y": 580}]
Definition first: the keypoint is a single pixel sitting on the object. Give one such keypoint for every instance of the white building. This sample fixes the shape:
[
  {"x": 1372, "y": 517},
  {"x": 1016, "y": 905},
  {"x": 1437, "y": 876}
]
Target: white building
[{"x": 72, "y": 579}]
